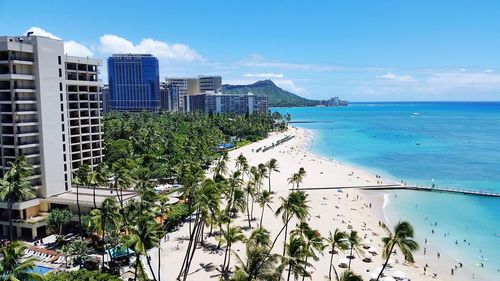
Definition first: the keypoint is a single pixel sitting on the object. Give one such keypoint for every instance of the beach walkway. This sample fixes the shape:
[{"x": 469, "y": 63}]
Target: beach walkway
[{"x": 416, "y": 188}]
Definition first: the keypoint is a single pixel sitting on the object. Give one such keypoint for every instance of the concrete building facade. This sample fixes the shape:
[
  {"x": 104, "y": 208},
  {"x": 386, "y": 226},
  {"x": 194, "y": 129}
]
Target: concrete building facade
[
  {"x": 214, "y": 103},
  {"x": 48, "y": 114}
]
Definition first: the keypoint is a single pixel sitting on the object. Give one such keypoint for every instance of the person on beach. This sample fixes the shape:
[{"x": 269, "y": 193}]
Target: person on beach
[{"x": 438, "y": 255}]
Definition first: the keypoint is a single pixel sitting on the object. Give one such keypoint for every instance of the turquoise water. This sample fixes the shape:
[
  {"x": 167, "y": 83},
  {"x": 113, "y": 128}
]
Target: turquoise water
[
  {"x": 448, "y": 144},
  {"x": 42, "y": 269}
]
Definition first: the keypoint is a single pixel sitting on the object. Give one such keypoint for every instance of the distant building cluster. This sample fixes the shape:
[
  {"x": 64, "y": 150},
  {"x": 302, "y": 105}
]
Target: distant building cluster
[
  {"x": 335, "y": 101},
  {"x": 134, "y": 85}
]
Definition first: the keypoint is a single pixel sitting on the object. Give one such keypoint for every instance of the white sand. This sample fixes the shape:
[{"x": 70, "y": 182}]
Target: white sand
[{"x": 330, "y": 210}]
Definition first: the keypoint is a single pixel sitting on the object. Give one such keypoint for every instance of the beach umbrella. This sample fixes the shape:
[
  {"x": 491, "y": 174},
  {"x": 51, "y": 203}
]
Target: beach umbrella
[
  {"x": 368, "y": 258},
  {"x": 372, "y": 250},
  {"x": 400, "y": 275},
  {"x": 343, "y": 262}
]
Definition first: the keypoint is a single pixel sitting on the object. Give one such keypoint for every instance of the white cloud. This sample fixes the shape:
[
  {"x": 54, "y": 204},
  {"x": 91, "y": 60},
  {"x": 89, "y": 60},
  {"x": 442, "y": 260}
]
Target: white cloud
[
  {"x": 489, "y": 71},
  {"x": 289, "y": 85},
  {"x": 395, "y": 77},
  {"x": 71, "y": 47},
  {"x": 76, "y": 49},
  {"x": 110, "y": 44},
  {"x": 264, "y": 75},
  {"x": 41, "y": 32}
]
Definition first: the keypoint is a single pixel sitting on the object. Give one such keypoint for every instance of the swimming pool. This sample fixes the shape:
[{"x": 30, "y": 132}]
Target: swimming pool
[{"x": 42, "y": 269}]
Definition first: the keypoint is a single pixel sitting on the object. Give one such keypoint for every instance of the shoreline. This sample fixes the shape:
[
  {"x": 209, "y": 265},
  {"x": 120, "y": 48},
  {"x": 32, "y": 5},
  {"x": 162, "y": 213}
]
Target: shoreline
[
  {"x": 330, "y": 209},
  {"x": 383, "y": 199}
]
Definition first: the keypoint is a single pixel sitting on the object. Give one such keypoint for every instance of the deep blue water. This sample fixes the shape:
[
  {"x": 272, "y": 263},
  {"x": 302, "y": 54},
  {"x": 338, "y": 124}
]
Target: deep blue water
[{"x": 448, "y": 144}]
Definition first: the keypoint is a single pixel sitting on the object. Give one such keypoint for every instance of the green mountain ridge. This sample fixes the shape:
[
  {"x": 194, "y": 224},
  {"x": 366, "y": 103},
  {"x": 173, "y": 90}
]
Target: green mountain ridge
[{"x": 277, "y": 96}]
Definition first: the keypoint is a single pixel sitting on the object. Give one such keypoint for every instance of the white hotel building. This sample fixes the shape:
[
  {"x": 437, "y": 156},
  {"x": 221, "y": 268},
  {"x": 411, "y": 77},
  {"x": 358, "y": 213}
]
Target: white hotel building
[{"x": 50, "y": 112}]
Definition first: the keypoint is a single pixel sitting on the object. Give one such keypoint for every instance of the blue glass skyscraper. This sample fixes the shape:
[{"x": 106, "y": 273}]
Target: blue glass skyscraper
[{"x": 134, "y": 83}]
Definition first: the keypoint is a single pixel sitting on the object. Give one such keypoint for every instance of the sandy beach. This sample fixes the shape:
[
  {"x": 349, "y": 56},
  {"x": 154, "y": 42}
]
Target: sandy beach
[{"x": 331, "y": 209}]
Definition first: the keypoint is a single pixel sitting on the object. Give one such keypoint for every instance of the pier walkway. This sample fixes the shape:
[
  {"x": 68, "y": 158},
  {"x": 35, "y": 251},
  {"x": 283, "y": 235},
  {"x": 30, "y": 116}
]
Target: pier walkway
[{"x": 416, "y": 188}]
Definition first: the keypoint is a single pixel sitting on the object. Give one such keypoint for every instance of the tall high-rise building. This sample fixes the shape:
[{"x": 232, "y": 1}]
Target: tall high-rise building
[
  {"x": 169, "y": 97},
  {"x": 185, "y": 86},
  {"x": 210, "y": 84},
  {"x": 50, "y": 113},
  {"x": 134, "y": 83}
]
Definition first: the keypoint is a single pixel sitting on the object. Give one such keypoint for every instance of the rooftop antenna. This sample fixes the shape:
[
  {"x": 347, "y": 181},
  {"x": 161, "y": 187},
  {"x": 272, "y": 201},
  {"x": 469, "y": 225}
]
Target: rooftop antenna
[{"x": 29, "y": 33}]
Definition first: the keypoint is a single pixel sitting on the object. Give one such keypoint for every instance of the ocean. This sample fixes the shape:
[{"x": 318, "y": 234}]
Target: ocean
[{"x": 448, "y": 144}]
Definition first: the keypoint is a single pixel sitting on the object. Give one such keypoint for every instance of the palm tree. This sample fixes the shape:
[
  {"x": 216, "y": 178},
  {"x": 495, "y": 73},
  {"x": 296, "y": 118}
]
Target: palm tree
[
  {"x": 106, "y": 219},
  {"x": 337, "y": 239},
  {"x": 295, "y": 257},
  {"x": 15, "y": 186},
  {"x": 101, "y": 178},
  {"x": 232, "y": 235},
  {"x": 264, "y": 199},
  {"x": 301, "y": 174},
  {"x": 57, "y": 219},
  {"x": 81, "y": 177},
  {"x": 144, "y": 235},
  {"x": 259, "y": 264},
  {"x": 293, "y": 179},
  {"x": 402, "y": 238},
  {"x": 350, "y": 276},
  {"x": 261, "y": 237},
  {"x": 295, "y": 205},
  {"x": 313, "y": 239},
  {"x": 272, "y": 166},
  {"x": 79, "y": 251},
  {"x": 355, "y": 244},
  {"x": 13, "y": 267}
]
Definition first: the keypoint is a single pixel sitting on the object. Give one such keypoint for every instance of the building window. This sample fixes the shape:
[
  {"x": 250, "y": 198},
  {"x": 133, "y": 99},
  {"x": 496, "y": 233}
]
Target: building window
[
  {"x": 59, "y": 59},
  {"x": 60, "y": 86},
  {"x": 66, "y": 177},
  {"x": 64, "y": 150},
  {"x": 64, "y": 157},
  {"x": 65, "y": 167},
  {"x": 66, "y": 184},
  {"x": 62, "y": 117},
  {"x": 63, "y": 137},
  {"x": 62, "y": 126},
  {"x": 61, "y": 96},
  {"x": 60, "y": 72}
]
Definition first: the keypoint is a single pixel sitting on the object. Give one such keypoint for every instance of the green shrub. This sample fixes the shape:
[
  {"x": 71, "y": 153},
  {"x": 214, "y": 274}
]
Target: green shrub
[{"x": 177, "y": 213}]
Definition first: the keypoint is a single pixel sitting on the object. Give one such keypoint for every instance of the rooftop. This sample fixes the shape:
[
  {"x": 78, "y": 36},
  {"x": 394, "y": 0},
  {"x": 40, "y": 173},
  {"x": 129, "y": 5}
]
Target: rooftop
[{"x": 86, "y": 196}]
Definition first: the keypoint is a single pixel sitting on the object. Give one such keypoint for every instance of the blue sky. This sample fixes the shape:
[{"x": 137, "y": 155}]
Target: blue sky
[{"x": 370, "y": 50}]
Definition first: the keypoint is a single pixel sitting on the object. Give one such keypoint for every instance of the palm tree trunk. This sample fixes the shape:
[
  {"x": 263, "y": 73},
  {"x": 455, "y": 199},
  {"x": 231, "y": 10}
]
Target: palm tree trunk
[
  {"x": 159, "y": 262},
  {"x": 304, "y": 276},
  {"x": 228, "y": 260},
  {"x": 286, "y": 234},
  {"x": 79, "y": 211},
  {"x": 95, "y": 205},
  {"x": 386, "y": 261},
  {"x": 269, "y": 180},
  {"x": 248, "y": 211},
  {"x": 289, "y": 271},
  {"x": 331, "y": 263},
  {"x": 188, "y": 266},
  {"x": 137, "y": 260},
  {"x": 262, "y": 215},
  {"x": 11, "y": 203},
  {"x": 188, "y": 250},
  {"x": 224, "y": 262},
  {"x": 350, "y": 258},
  {"x": 150, "y": 267}
]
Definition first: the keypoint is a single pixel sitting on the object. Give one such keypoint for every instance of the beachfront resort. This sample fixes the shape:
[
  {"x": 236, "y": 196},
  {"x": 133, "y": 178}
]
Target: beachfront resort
[{"x": 182, "y": 177}]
